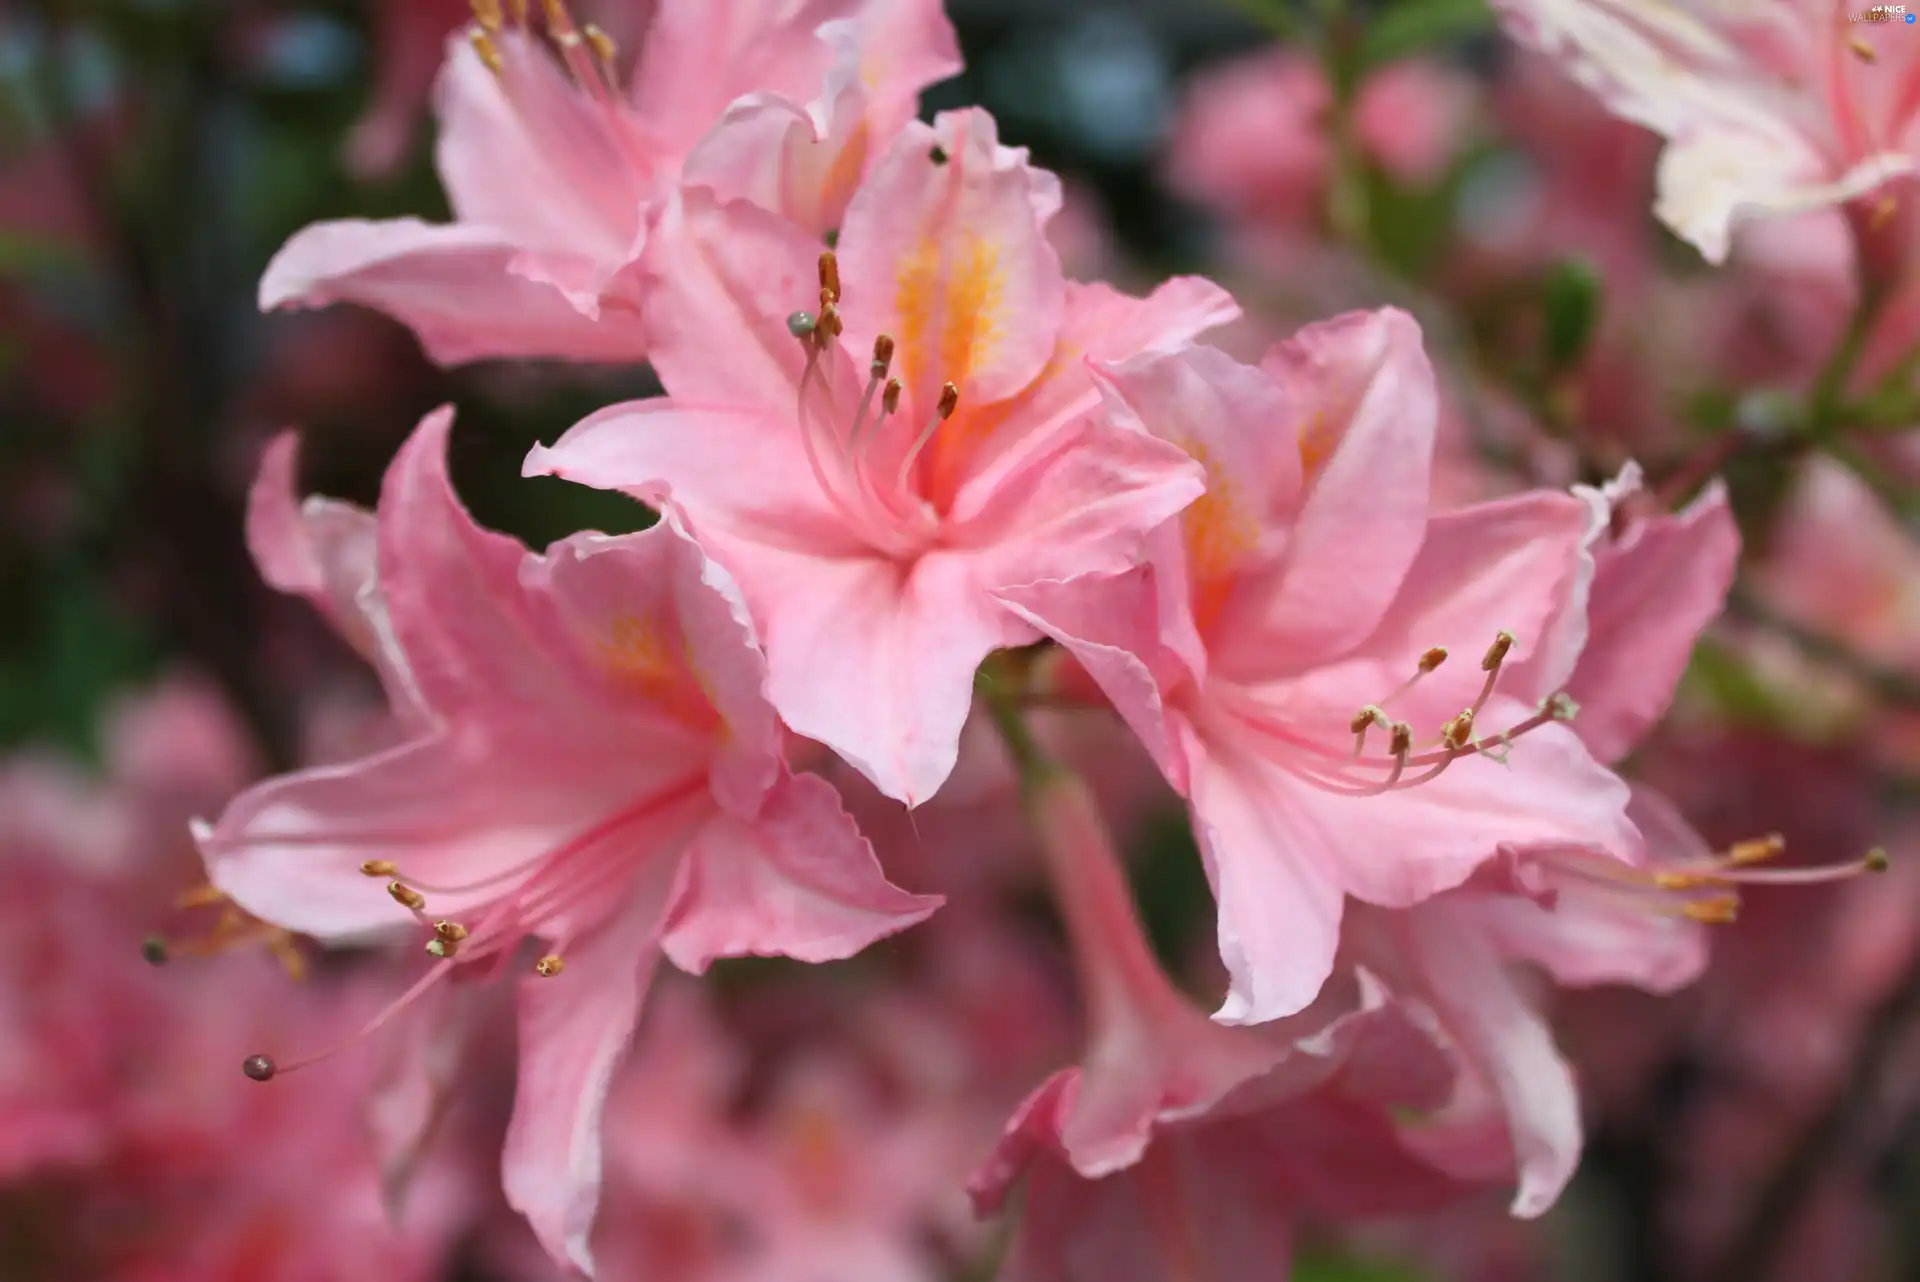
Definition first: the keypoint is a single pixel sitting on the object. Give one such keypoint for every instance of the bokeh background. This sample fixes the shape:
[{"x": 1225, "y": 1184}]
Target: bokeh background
[{"x": 1311, "y": 157}]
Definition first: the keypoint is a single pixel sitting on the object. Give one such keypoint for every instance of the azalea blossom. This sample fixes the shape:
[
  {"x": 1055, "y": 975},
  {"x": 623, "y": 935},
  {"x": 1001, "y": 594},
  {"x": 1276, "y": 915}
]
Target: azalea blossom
[
  {"x": 557, "y": 168},
  {"x": 1769, "y": 107},
  {"x": 1336, "y": 677},
  {"x": 1180, "y": 1148},
  {"x": 868, "y": 519},
  {"x": 592, "y": 764}
]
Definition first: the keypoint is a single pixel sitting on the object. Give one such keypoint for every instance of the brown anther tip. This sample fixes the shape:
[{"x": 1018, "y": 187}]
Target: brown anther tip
[
  {"x": 406, "y": 896},
  {"x": 882, "y": 355},
  {"x": 1862, "y": 50},
  {"x": 830, "y": 276},
  {"x": 154, "y": 950},
  {"x": 1756, "y": 851},
  {"x": 1361, "y": 720},
  {"x": 549, "y": 966},
  {"x": 487, "y": 14},
  {"x": 483, "y": 45},
  {"x": 1433, "y": 658},
  {"x": 1457, "y": 731},
  {"x": 557, "y": 16},
  {"x": 377, "y": 868},
  {"x": 1722, "y": 911},
  {"x": 1876, "y": 860},
  {"x": 830, "y": 325},
  {"x": 890, "y": 397},
  {"x": 260, "y": 1068},
  {"x": 451, "y": 931},
  {"x": 1497, "y": 652},
  {"x": 949, "y": 399},
  {"x": 1401, "y": 742},
  {"x": 603, "y": 46}
]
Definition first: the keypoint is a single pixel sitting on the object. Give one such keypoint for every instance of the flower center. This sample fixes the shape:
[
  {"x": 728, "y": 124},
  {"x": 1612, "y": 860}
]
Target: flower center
[{"x": 864, "y": 466}]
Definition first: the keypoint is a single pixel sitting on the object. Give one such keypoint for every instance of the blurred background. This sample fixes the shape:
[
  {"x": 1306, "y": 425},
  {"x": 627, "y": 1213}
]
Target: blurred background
[{"x": 1310, "y": 157}]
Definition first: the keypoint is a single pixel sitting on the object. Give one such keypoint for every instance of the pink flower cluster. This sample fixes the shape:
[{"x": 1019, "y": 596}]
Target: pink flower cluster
[{"x": 938, "y": 528}]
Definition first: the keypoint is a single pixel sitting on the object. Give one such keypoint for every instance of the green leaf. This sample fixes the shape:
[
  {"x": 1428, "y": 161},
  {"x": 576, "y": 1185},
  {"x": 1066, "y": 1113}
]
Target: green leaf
[
  {"x": 1570, "y": 307},
  {"x": 1415, "y": 25}
]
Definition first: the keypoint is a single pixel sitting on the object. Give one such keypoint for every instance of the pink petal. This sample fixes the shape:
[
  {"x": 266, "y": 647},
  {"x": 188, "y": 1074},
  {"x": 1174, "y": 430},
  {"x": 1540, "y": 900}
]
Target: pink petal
[
  {"x": 1224, "y": 415},
  {"x": 721, "y": 281},
  {"x": 1507, "y": 1041},
  {"x": 1653, "y": 593},
  {"x": 574, "y": 1030},
  {"x": 454, "y": 596},
  {"x": 1280, "y": 905},
  {"x": 951, "y": 260},
  {"x": 878, "y": 666},
  {"x": 1082, "y": 505},
  {"x": 693, "y": 63},
  {"x": 289, "y": 849},
  {"x": 906, "y": 45},
  {"x": 798, "y": 881},
  {"x": 740, "y": 476},
  {"x": 527, "y": 153},
  {"x": 1101, "y": 324},
  {"x": 1115, "y": 626},
  {"x": 1363, "y": 395},
  {"x": 460, "y": 288},
  {"x": 801, "y": 164},
  {"x": 1513, "y": 564},
  {"x": 662, "y": 631},
  {"x": 323, "y": 550}
]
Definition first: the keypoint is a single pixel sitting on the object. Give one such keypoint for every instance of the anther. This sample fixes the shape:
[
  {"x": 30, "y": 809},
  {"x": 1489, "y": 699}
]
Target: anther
[
  {"x": 1497, "y": 652},
  {"x": 882, "y": 355},
  {"x": 517, "y": 11},
  {"x": 451, "y": 931},
  {"x": 1433, "y": 658},
  {"x": 1876, "y": 860},
  {"x": 154, "y": 949},
  {"x": 603, "y": 47},
  {"x": 830, "y": 276},
  {"x": 549, "y": 966},
  {"x": 1400, "y": 743},
  {"x": 1756, "y": 851},
  {"x": 1457, "y": 731},
  {"x": 260, "y": 1068},
  {"x": 1718, "y": 911},
  {"x": 949, "y": 400},
  {"x": 406, "y": 896},
  {"x": 483, "y": 45},
  {"x": 1561, "y": 706},
  {"x": 829, "y": 325},
  {"x": 377, "y": 868},
  {"x": 441, "y": 948},
  {"x": 1862, "y": 50},
  {"x": 1368, "y": 716},
  {"x": 487, "y": 14},
  {"x": 890, "y": 397}
]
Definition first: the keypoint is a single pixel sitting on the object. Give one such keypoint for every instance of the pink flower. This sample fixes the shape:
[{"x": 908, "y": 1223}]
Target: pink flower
[
  {"x": 593, "y": 763},
  {"x": 1311, "y": 590},
  {"x": 1183, "y": 1149},
  {"x": 868, "y": 526},
  {"x": 556, "y": 172},
  {"x": 1255, "y": 142},
  {"x": 1770, "y": 107}
]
